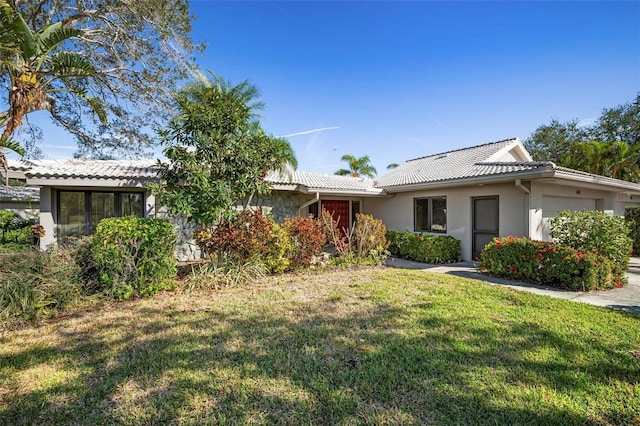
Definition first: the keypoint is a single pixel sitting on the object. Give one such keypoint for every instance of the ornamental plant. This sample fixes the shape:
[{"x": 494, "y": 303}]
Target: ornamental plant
[
  {"x": 595, "y": 232},
  {"x": 249, "y": 237},
  {"x": 547, "y": 263},
  {"x": 368, "y": 238},
  {"x": 307, "y": 240},
  {"x": 134, "y": 256},
  {"x": 426, "y": 248}
]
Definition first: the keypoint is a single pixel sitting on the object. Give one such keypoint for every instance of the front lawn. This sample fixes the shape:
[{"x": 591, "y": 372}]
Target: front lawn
[{"x": 365, "y": 346}]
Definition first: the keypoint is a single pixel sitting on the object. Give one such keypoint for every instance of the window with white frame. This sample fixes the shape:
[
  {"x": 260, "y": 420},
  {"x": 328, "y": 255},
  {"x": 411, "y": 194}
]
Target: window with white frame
[{"x": 430, "y": 214}]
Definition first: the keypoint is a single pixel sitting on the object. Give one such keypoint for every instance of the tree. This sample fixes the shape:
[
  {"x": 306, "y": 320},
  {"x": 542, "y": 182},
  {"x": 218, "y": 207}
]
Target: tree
[
  {"x": 610, "y": 147},
  {"x": 218, "y": 153},
  {"x": 33, "y": 69},
  {"x": 357, "y": 166},
  {"x": 393, "y": 166},
  {"x": 105, "y": 70}
]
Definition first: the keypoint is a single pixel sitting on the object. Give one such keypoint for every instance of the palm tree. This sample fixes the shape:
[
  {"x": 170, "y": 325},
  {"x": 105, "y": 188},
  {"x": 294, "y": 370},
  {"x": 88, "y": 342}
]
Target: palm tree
[
  {"x": 591, "y": 157},
  {"x": 37, "y": 67},
  {"x": 357, "y": 167},
  {"x": 623, "y": 161},
  {"x": 393, "y": 166}
]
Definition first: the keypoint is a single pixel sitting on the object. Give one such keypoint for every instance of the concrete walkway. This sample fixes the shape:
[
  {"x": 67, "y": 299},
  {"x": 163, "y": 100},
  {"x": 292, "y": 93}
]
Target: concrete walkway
[{"x": 626, "y": 298}]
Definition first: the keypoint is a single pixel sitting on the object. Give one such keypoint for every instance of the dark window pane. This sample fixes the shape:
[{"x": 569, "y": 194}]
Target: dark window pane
[
  {"x": 439, "y": 215},
  {"x": 422, "y": 214},
  {"x": 132, "y": 204},
  {"x": 71, "y": 221},
  {"x": 102, "y": 205}
]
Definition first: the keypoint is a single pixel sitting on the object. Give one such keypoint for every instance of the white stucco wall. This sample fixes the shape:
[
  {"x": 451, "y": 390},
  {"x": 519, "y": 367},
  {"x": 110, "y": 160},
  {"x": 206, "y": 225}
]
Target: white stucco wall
[{"x": 397, "y": 212}]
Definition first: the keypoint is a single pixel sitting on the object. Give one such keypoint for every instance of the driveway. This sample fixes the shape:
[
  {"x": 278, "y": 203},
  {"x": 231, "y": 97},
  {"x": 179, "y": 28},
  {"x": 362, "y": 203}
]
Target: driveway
[{"x": 626, "y": 298}]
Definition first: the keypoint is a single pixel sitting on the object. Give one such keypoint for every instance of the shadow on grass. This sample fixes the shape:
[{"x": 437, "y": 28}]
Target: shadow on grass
[{"x": 377, "y": 364}]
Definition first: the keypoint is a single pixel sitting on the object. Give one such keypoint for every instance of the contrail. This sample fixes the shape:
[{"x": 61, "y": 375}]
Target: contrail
[{"x": 306, "y": 132}]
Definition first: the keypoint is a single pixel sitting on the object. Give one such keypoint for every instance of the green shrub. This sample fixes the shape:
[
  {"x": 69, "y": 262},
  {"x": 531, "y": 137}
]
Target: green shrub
[
  {"x": 307, "y": 240},
  {"x": 34, "y": 284},
  {"x": 278, "y": 258},
  {"x": 547, "y": 263},
  {"x": 595, "y": 232},
  {"x": 426, "y": 248},
  {"x": 632, "y": 220},
  {"x": 14, "y": 230},
  {"x": 134, "y": 256}
]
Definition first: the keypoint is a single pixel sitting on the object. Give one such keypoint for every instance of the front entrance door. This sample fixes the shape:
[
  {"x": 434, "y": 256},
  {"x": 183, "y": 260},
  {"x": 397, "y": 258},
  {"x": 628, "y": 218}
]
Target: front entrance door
[
  {"x": 339, "y": 209},
  {"x": 485, "y": 223}
]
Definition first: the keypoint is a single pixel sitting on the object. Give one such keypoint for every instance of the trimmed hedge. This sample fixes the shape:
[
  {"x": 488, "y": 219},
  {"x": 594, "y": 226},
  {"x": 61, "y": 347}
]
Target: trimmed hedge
[
  {"x": 134, "y": 256},
  {"x": 595, "y": 232},
  {"x": 547, "y": 263},
  {"x": 632, "y": 219},
  {"x": 426, "y": 248}
]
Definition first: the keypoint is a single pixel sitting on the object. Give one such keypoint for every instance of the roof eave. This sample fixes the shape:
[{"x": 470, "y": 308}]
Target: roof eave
[
  {"x": 475, "y": 180},
  {"x": 599, "y": 180}
]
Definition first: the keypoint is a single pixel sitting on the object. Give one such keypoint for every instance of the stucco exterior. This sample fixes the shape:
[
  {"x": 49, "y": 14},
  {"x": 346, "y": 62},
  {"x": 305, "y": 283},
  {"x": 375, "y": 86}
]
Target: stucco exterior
[{"x": 397, "y": 212}]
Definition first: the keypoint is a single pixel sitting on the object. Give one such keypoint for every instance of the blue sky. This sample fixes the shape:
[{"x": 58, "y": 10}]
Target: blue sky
[{"x": 399, "y": 80}]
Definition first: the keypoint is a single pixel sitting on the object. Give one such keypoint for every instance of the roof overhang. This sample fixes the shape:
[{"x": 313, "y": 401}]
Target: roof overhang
[
  {"x": 89, "y": 182},
  {"x": 475, "y": 180}
]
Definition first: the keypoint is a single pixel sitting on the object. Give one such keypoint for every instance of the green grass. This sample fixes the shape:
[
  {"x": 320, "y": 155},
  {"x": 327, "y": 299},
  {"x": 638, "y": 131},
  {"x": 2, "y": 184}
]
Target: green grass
[{"x": 367, "y": 346}]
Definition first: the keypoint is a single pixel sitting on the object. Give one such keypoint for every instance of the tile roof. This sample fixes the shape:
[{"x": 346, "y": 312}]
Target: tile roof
[
  {"x": 323, "y": 181},
  {"x": 92, "y": 169},
  {"x": 19, "y": 193},
  {"x": 457, "y": 164}
]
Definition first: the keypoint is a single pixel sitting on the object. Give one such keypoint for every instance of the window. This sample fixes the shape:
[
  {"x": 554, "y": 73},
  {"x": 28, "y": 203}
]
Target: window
[
  {"x": 80, "y": 211},
  {"x": 430, "y": 214}
]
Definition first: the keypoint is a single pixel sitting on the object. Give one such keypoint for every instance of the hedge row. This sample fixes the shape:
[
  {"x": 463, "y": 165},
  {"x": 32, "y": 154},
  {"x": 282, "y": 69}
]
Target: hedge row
[
  {"x": 547, "y": 263},
  {"x": 426, "y": 248}
]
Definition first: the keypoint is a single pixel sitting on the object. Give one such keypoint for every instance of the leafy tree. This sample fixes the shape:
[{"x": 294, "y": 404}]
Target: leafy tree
[
  {"x": 33, "y": 68},
  {"x": 610, "y": 147},
  {"x": 105, "y": 70},
  {"x": 218, "y": 153},
  {"x": 357, "y": 166}
]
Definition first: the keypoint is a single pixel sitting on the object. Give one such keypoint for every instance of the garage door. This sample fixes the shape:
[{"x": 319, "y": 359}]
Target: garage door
[{"x": 553, "y": 205}]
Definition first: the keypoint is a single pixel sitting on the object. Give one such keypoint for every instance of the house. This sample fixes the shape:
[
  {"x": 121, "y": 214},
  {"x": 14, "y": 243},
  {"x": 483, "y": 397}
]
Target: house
[{"x": 471, "y": 194}]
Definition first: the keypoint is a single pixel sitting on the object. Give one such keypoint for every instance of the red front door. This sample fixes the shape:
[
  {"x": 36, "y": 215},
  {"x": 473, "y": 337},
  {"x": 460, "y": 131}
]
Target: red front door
[{"x": 340, "y": 212}]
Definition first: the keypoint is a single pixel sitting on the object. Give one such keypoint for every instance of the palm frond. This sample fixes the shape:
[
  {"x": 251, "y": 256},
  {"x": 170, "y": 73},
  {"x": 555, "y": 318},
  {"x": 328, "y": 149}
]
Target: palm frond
[
  {"x": 343, "y": 172},
  {"x": 7, "y": 142},
  {"x": 69, "y": 64},
  {"x": 52, "y": 35}
]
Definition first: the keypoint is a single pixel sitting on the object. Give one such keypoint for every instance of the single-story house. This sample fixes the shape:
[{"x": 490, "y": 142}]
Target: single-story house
[{"x": 471, "y": 194}]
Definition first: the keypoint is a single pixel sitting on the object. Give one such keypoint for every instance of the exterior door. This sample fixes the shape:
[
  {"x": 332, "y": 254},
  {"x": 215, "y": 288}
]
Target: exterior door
[
  {"x": 339, "y": 209},
  {"x": 485, "y": 223}
]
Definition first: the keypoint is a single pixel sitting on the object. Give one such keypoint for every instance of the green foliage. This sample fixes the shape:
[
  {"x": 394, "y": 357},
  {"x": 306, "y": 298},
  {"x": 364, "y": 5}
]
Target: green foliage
[
  {"x": 278, "y": 258},
  {"x": 547, "y": 263},
  {"x": 307, "y": 240},
  {"x": 91, "y": 63},
  {"x": 34, "y": 284},
  {"x": 16, "y": 231},
  {"x": 426, "y": 248},
  {"x": 610, "y": 147},
  {"x": 357, "y": 167},
  {"x": 632, "y": 220},
  {"x": 218, "y": 154},
  {"x": 595, "y": 232},
  {"x": 134, "y": 256}
]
